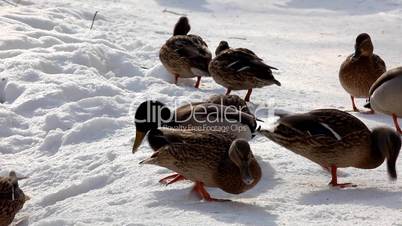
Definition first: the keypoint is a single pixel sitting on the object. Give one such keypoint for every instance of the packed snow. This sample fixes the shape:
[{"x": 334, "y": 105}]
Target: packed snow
[{"x": 68, "y": 94}]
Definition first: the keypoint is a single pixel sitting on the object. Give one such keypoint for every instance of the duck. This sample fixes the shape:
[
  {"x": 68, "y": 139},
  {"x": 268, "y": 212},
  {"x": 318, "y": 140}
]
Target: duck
[
  {"x": 220, "y": 112},
  {"x": 360, "y": 70},
  {"x": 240, "y": 69},
  {"x": 12, "y": 198},
  {"x": 209, "y": 159},
  {"x": 336, "y": 139},
  {"x": 386, "y": 95},
  {"x": 185, "y": 55}
]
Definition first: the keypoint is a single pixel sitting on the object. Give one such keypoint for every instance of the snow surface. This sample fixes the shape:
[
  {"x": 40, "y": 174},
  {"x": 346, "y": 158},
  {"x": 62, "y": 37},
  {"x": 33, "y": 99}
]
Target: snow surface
[{"x": 67, "y": 120}]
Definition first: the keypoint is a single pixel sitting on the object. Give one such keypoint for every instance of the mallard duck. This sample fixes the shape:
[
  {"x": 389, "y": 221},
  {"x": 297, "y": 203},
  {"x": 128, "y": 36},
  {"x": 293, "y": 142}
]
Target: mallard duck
[
  {"x": 220, "y": 113},
  {"x": 12, "y": 198},
  {"x": 336, "y": 139},
  {"x": 240, "y": 69},
  {"x": 361, "y": 69},
  {"x": 185, "y": 56},
  {"x": 212, "y": 159},
  {"x": 386, "y": 95}
]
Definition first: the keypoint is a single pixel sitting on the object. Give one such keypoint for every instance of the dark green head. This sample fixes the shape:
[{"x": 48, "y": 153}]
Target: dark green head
[{"x": 149, "y": 116}]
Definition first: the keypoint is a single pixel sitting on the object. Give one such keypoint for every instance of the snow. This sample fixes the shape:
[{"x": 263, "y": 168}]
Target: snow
[{"x": 67, "y": 103}]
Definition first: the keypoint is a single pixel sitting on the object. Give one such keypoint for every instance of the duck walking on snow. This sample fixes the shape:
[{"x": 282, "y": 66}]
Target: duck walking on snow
[
  {"x": 336, "y": 139},
  {"x": 240, "y": 69},
  {"x": 184, "y": 55},
  {"x": 361, "y": 69}
]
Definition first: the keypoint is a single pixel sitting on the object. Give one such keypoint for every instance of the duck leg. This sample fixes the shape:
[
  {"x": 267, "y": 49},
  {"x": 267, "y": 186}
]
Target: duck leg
[
  {"x": 203, "y": 194},
  {"x": 228, "y": 91},
  {"x": 197, "y": 84},
  {"x": 334, "y": 181},
  {"x": 247, "y": 98},
  {"x": 398, "y": 128},
  {"x": 176, "y": 78},
  {"x": 171, "y": 179},
  {"x": 353, "y": 104}
]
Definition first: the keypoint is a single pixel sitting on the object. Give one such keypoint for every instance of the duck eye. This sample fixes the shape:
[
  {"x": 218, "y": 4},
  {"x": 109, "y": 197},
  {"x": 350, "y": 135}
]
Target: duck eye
[{"x": 3, "y": 79}]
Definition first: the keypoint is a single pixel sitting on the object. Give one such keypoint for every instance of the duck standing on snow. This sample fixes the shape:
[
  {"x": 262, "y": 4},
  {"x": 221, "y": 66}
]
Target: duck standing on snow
[
  {"x": 227, "y": 114},
  {"x": 185, "y": 56},
  {"x": 336, "y": 139},
  {"x": 360, "y": 70},
  {"x": 240, "y": 69},
  {"x": 386, "y": 95},
  {"x": 208, "y": 158},
  {"x": 12, "y": 198}
]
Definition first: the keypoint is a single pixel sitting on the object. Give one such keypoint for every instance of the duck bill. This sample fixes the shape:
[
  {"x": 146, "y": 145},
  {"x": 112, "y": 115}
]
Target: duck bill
[
  {"x": 246, "y": 174},
  {"x": 139, "y": 136},
  {"x": 356, "y": 55}
]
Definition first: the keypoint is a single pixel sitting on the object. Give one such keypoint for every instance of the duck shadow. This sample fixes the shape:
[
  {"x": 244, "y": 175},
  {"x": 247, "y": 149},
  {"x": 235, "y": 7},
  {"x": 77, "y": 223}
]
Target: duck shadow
[
  {"x": 364, "y": 196},
  {"x": 361, "y": 7},
  {"x": 233, "y": 212},
  {"x": 193, "y": 5}
]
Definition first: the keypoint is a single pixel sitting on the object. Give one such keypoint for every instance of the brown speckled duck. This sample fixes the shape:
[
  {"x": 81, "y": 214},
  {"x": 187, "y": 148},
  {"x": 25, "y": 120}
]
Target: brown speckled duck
[
  {"x": 240, "y": 69},
  {"x": 386, "y": 95},
  {"x": 185, "y": 56},
  {"x": 336, "y": 139},
  {"x": 12, "y": 198},
  {"x": 361, "y": 69},
  {"x": 208, "y": 158},
  {"x": 238, "y": 123}
]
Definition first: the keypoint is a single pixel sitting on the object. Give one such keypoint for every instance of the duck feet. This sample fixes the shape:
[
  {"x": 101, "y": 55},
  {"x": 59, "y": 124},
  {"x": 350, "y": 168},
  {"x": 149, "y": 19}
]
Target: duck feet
[
  {"x": 334, "y": 181},
  {"x": 371, "y": 112},
  {"x": 398, "y": 128},
  {"x": 176, "y": 78},
  {"x": 247, "y": 98},
  {"x": 355, "y": 109},
  {"x": 203, "y": 194},
  {"x": 197, "y": 84},
  {"x": 343, "y": 185},
  {"x": 171, "y": 179}
]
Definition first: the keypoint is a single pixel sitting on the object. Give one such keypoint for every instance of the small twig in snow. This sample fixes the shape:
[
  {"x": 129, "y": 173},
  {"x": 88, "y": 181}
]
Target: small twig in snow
[
  {"x": 93, "y": 20},
  {"x": 173, "y": 12},
  {"x": 11, "y": 3},
  {"x": 240, "y": 38}
]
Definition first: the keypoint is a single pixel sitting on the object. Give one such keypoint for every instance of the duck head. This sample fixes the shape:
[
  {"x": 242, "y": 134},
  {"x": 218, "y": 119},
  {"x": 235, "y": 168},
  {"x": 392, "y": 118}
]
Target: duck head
[
  {"x": 182, "y": 26},
  {"x": 223, "y": 45},
  {"x": 363, "y": 46},
  {"x": 241, "y": 154},
  {"x": 17, "y": 192},
  {"x": 388, "y": 142},
  {"x": 149, "y": 116}
]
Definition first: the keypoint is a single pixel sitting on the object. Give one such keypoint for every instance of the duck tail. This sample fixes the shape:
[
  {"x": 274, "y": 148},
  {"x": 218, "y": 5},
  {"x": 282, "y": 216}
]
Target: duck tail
[{"x": 276, "y": 82}]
